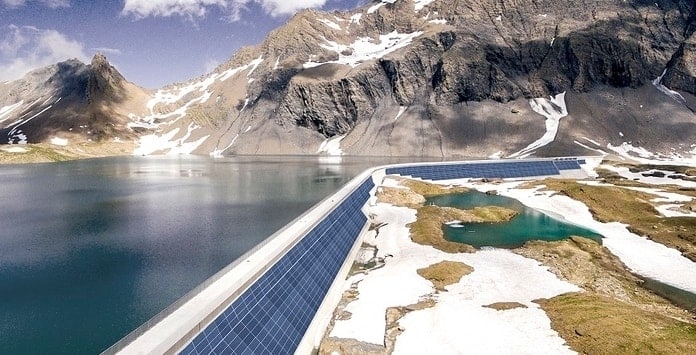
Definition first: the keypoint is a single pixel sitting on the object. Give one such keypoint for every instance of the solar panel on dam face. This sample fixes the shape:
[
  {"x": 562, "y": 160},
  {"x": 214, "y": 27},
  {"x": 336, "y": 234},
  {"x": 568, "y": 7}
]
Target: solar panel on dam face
[{"x": 271, "y": 317}]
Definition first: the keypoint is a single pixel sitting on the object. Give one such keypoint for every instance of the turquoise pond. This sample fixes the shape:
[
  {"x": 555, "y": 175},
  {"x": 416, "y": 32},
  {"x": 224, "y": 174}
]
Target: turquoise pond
[{"x": 529, "y": 224}]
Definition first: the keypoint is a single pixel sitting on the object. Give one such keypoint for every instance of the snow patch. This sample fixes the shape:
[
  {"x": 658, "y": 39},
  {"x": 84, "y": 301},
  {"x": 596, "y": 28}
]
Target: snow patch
[
  {"x": 231, "y": 72},
  {"x": 6, "y": 110},
  {"x": 667, "y": 207},
  {"x": 650, "y": 180},
  {"x": 438, "y": 21},
  {"x": 153, "y": 143},
  {"x": 356, "y": 18},
  {"x": 420, "y": 4},
  {"x": 366, "y": 48},
  {"x": 590, "y": 148},
  {"x": 330, "y": 24},
  {"x": 644, "y": 156},
  {"x": 667, "y": 91},
  {"x": 592, "y": 141},
  {"x": 553, "y": 109},
  {"x": 402, "y": 109},
  {"x": 12, "y": 149},
  {"x": 59, "y": 141},
  {"x": 16, "y": 133},
  {"x": 331, "y": 146},
  {"x": 496, "y": 155}
]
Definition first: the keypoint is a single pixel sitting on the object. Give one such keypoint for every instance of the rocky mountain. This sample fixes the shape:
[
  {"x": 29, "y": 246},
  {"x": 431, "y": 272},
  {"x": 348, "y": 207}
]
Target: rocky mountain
[
  {"x": 70, "y": 103},
  {"x": 441, "y": 78}
]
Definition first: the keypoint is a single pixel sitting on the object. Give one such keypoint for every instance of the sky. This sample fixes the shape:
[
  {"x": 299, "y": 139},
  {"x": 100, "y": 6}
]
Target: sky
[{"x": 151, "y": 42}]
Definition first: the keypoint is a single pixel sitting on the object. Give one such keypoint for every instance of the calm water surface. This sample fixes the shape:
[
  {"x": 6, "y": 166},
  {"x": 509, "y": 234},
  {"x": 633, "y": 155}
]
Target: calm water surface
[
  {"x": 529, "y": 224},
  {"x": 89, "y": 250}
]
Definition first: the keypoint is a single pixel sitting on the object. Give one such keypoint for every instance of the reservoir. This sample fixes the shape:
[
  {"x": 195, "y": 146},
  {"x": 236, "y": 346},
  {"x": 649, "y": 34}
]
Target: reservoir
[
  {"x": 92, "y": 249},
  {"x": 529, "y": 224}
]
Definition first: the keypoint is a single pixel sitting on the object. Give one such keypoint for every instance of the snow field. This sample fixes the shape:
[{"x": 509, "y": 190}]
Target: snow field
[
  {"x": 163, "y": 142},
  {"x": 365, "y": 48},
  {"x": 458, "y": 320}
]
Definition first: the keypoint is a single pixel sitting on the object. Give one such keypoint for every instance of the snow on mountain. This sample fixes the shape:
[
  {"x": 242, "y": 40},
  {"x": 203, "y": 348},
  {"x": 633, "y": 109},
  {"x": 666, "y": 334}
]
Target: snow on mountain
[
  {"x": 671, "y": 93},
  {"x": 642, "y": 155},
  {"x": 553, "y": 109},
  {"x": 420, "y": 4},
  {"x": 6, "y": 110},
  {"x": 331, "y": 146},
  {"x": 192, "y": 94},
  {"x": 465, "y": 71},
  {"x": 366, "y": 48}
]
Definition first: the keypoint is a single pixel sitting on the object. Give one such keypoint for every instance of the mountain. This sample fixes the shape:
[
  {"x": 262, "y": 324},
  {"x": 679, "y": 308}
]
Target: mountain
[
  {"x": 70, "y": 103},
  {"x": 441, "y": 78}
]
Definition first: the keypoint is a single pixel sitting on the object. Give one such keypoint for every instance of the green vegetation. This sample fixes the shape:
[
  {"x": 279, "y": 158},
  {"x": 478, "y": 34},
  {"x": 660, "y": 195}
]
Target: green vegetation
[
  {"x": 504, "y": 306},
  {"x": 427, "y": 189},
  {"x": 615, "y": 204},
  {"x": 595, "y": 324},
  {"x": 33, "y": 154}
]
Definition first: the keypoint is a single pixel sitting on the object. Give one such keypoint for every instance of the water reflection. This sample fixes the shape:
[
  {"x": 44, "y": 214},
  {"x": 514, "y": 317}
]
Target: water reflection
[{"x": 92, "y": 249}]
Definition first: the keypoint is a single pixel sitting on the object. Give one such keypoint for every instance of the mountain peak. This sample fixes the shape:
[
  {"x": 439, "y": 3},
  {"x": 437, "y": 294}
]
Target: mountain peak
[
  {"x": 99, "y": 60},
  {"x": 104, "y": 79}
]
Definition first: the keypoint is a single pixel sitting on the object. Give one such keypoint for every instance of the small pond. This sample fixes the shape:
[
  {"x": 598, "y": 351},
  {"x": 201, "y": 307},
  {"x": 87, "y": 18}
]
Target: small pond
[{"x": 529, "y": 224}]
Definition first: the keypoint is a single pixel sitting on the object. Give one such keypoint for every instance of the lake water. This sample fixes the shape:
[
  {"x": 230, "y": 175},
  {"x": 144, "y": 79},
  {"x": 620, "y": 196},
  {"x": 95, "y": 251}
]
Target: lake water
[
  {"x": 89, "y": 250},
  {"x": 529, "y": 224}
]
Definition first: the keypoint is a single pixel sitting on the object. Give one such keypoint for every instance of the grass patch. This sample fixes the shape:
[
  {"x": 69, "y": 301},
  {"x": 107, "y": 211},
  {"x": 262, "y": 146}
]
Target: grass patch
[
  {"x": 414, "y": 192},
  {"x": 427, "y": 229},
  {"x": 445, "y": 273},
  {"x": 615, "y": 204},
  {"x": 594, "y": 324},
  {"x": 34, "y": 154},
  {"x": 504, "y": 306},
  {"x": 427, "y": 189},
  {"x": 591, "y": 266},
  {"x": 400, "y": 197}
]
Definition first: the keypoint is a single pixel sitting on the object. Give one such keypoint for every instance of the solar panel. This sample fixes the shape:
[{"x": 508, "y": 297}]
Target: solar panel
[
  {"x": 488, "y": 170},
  {"x": 272, "y": 315}
]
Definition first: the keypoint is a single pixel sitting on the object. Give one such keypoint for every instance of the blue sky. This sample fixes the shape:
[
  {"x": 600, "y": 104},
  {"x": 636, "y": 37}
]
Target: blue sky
[{"x": 151, "y": 42}]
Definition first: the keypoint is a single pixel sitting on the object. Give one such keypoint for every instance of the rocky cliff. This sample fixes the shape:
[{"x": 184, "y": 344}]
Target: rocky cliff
[{"x": 443, "y": 78}]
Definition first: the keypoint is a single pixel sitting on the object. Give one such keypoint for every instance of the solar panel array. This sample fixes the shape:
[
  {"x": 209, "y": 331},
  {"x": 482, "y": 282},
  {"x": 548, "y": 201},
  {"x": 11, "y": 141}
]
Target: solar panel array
[
  {"x": 491, "y": 170},
  {"x": 273, "y": 314},
  {"x": 568, "y": 163}
]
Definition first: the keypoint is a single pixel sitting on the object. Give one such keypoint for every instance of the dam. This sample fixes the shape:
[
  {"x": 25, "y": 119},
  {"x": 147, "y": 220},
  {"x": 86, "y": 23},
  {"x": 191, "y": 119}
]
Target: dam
[{"x": 279, "y": 297}]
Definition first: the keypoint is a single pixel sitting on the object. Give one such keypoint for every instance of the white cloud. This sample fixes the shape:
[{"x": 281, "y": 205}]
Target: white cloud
[
  {"x": 25, "y": 48},
  {"x": 54, "y": 4},
  {"x": 199, "y": 8},
  {"x": 165, "y": 8},
  {"x": 107, "y": 50},
  {"x": 210, "y": 65},
  {"x": 284, "y": 7}
]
